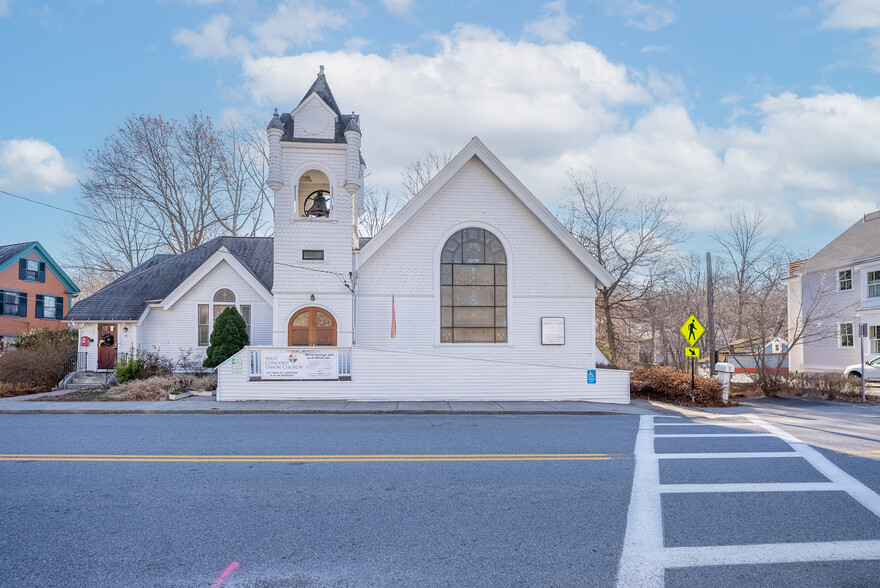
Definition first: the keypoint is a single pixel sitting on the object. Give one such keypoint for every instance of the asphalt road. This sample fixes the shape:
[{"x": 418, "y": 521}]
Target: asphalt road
[{"x": 406, "y": 500}]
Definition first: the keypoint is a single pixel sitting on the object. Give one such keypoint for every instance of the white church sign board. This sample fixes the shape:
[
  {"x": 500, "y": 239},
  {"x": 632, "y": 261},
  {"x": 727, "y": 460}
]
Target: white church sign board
[
  {"x": 298, "y": 364},
  {"x": 552, "y": 330}
]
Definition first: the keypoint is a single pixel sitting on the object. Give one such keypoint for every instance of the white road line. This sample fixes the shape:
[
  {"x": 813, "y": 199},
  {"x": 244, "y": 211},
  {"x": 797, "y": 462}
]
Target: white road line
[
  {"x": 864, "y": 495},
  {"x": 644, "y": 521},
  {"x": 753, "y": 487},
  {"x": 644, "y": 559},
  {"x": 739, "y": 424},
  {"x": 770, "y": 553},
  {"x": 729, "y": 455},
  {"x": 713, "y": 435}
]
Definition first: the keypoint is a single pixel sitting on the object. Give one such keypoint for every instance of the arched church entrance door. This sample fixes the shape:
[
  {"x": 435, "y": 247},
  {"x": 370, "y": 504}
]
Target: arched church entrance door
[{"x": 311, "y": 327}]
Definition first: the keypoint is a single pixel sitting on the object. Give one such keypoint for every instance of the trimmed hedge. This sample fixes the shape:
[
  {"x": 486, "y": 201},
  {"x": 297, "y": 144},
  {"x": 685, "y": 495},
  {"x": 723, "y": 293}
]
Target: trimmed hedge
[{"x": 666, "y": 384}]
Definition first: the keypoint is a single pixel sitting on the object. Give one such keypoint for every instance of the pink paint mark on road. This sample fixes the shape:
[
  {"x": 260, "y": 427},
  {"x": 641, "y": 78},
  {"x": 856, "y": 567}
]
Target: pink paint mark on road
[{"x": 229, "y": 569}]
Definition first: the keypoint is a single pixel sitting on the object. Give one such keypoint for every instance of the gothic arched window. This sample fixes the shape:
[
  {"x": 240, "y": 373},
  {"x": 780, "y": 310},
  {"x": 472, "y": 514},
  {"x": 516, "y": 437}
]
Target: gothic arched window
[{"x": 473, "y": 288}]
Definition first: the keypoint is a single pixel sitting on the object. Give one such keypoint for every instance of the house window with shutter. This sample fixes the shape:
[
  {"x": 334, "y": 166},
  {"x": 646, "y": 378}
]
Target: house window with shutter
[
  {"x": 48, "y": 306},
  {"x": 31, "y": 270},
  {"x": 13, "y": 303}
]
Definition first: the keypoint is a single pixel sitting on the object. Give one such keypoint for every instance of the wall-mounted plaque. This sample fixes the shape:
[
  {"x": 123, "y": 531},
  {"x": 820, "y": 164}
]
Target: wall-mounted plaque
[{"x": 552, "y": 330}]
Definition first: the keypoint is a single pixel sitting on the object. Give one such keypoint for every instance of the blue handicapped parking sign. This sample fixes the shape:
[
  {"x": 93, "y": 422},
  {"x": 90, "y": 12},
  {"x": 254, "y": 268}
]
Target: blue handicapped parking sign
[{"x": 591, "y": 376}]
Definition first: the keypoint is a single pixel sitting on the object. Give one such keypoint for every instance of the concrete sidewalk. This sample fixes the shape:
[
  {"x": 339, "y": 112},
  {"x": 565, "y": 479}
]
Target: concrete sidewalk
[{"x": 24, "y": 405}]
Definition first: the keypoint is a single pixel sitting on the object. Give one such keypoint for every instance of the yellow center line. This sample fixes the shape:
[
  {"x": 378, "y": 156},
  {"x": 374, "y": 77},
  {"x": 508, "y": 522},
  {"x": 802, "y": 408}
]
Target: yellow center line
[{"x": 310, "y": 458}]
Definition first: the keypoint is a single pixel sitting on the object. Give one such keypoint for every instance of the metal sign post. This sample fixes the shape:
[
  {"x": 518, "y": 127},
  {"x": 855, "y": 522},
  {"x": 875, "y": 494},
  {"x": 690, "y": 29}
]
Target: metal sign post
[{"x": 863, "y": 332}]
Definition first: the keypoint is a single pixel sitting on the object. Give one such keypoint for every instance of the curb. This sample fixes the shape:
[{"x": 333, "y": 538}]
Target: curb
[{"x": 214, "y": 411}]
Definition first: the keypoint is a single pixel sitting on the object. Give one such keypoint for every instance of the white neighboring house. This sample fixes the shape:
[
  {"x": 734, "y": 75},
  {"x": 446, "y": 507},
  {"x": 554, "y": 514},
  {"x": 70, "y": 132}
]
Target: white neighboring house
[
  {"x": 473, "y": 291},
  {"x": 841, "y": 283}
]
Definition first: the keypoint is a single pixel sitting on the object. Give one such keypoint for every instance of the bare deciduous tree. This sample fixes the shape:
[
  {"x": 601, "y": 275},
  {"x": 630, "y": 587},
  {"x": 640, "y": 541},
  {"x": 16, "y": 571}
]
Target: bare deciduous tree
[
  {"x": 630, "y": 241},
  {"x": 421, "y": 170},
  {"x": 159, "y": 185},
  {"x": 380, "y": 206}
]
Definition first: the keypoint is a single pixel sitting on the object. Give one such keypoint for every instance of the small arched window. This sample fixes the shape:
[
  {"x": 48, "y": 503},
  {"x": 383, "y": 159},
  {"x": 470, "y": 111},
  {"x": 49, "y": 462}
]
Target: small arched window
[
  {"x": 223, "y": 298},
  {"x": 473, "y": 288}
]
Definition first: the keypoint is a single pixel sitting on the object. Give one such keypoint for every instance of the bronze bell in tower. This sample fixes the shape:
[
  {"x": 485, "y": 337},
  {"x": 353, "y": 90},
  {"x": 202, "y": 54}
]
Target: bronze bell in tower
[{"x": 316, "y": 204}]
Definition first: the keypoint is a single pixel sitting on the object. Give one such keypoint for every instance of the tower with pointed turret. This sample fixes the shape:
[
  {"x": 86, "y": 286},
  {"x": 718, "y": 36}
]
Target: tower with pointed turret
[{"x": 316, "y": 174}]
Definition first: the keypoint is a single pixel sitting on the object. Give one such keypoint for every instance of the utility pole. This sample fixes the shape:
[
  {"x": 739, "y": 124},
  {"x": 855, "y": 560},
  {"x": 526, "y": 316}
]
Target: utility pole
[{"x": 710, "y": 307}]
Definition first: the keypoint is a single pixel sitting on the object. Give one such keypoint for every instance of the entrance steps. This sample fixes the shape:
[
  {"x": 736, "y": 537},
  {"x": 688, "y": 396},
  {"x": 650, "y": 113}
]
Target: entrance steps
[{"x": 78, "y": 380}]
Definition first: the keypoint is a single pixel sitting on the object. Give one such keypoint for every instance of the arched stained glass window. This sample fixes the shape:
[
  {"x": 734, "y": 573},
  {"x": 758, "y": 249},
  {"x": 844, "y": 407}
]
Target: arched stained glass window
[{"x": 473, "y": 288}]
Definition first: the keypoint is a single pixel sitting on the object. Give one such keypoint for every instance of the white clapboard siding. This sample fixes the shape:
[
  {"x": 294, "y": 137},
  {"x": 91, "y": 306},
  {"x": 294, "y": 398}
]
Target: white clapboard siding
[
  {"x": 417, "y": 330},
  {"x": 173, "y": 331},
  {"x": 379, "y": 374}
]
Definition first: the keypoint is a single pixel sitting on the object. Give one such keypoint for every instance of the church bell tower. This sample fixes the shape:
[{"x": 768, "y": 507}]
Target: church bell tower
[{"x": 316, "y": 174}]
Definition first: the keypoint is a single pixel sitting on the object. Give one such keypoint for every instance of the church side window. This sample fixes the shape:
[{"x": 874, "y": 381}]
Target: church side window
[
  {"x": 473, "y": 288},
  {"x": 223, "y": 299}
]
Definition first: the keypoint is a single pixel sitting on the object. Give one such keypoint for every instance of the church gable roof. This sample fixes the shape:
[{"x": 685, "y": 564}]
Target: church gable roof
[
  {"x": 152, "y": 281},
  {"x": 477, "y": 149}
]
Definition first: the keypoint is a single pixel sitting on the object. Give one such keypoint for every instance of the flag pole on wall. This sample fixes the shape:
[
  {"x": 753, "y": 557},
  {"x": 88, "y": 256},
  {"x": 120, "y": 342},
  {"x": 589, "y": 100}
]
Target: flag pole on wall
[{"x": 393, "y": 319}]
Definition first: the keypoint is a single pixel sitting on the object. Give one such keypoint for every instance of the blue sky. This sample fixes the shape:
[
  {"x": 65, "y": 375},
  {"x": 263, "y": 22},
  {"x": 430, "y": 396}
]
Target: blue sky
[{"x": 767, "y": 105}]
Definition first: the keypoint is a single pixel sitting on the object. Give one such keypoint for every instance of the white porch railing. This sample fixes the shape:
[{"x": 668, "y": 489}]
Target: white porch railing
[{"x": 255, "y": 360}]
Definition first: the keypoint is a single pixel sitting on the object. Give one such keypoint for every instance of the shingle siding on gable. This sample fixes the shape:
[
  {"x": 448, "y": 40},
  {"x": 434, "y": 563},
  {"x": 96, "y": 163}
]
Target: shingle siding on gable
[
  {"x": 545, "y": 278},
  {"x": 176, "y": 329}
]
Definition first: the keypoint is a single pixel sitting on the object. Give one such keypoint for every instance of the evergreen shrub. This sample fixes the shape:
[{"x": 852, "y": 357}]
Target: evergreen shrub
[{"x": 228, "y": 337}]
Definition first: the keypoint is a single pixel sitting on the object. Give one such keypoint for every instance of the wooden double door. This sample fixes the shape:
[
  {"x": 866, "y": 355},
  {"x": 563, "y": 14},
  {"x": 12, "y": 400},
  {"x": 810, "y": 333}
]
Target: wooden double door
[{"x": 310, "y": 327}]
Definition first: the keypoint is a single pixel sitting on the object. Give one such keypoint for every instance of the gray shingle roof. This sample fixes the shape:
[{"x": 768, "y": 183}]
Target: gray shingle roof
[
  {"x": 859, "y": 241},
  {"x": 7, "y": 252},
  {"x": 127, "y": 297}
]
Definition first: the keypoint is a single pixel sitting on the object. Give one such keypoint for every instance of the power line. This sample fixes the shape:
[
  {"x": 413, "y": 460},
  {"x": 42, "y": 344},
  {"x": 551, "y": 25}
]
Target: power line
[
  {"x": 50, "y": 206},
  {"x": 31, "y": 200}
]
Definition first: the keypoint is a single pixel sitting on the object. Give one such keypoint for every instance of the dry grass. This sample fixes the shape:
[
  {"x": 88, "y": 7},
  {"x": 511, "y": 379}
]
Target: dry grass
[
  {"x": 155, "y": 388},
  {"x": 159, "y": 387}
]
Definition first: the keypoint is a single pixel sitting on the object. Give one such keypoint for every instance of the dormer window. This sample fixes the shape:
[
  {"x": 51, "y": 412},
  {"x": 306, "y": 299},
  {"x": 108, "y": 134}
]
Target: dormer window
[{"x": 313, "y": 199}]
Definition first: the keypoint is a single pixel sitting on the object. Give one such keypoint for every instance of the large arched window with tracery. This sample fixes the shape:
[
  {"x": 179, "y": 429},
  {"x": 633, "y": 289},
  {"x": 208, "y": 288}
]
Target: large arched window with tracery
[{"x": 473, "y": 288}]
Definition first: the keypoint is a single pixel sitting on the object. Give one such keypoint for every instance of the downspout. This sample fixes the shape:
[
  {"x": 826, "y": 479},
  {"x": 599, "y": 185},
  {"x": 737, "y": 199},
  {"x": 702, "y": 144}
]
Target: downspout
[{"x": 354, "y": 285}]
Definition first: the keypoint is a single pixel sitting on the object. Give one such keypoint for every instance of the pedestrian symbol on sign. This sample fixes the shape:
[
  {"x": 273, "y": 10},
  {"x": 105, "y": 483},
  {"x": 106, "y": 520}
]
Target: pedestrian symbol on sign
[{"x": 692, "y": 329}]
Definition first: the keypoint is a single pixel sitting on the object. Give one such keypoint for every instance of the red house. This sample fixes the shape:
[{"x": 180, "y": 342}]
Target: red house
[{"x": 35, "y": 293}]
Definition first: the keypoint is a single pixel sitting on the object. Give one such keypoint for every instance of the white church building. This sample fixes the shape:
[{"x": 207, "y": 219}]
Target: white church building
[{"x": 473, "y": 291}]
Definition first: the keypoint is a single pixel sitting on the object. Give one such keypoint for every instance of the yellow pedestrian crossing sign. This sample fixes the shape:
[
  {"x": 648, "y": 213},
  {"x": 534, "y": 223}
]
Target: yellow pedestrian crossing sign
[
  {"x": 692, "y": 329},
  {"x": 692, "y": 351}
]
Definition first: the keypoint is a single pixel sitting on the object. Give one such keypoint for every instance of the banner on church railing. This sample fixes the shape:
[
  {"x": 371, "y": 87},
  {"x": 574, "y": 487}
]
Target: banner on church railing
[{"x": 300, "y": 364}]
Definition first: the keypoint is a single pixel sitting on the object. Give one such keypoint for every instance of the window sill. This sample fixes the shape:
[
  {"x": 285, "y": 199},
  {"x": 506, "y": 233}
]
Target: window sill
[
  {"x": 466, "y": 345},
  {"x": 301, "y": 219}
]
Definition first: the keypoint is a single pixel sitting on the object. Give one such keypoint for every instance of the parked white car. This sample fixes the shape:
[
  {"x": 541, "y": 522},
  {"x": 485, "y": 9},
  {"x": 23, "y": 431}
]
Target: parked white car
[{"x": 871, "y": 369}]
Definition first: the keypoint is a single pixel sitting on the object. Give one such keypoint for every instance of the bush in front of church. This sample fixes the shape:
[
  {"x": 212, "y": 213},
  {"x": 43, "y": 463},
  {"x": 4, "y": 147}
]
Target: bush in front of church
[{"x": 228, "y": 337}]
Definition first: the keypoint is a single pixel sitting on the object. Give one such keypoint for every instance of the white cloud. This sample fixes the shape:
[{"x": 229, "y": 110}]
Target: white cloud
[
  {"x": 852, "y": 14},
  {"x": 576, "y": 109},
  {"x": 212, "y": 41},
  {"x": 33, "y": 165},
  {"x": 295, "y": 22},
  {"x": 398, "y": 7},
  {"x": 656, "y": 48},
  {"x": 4, "y": 8},
  {"x": 472, "y": 84},
  {"x": 647, "y": 16},
  {"x": 553, "y": 25}
]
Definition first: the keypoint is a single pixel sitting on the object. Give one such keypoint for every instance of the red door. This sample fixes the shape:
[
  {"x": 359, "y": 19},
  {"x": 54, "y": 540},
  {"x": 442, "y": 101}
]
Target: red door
[{"x": 106, "y": 346}]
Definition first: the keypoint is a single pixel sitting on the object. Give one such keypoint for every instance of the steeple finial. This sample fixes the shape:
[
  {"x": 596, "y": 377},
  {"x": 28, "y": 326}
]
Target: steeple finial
[
  {"x": 276, "y": 112},
  {"x": 321, "y": 72}
]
